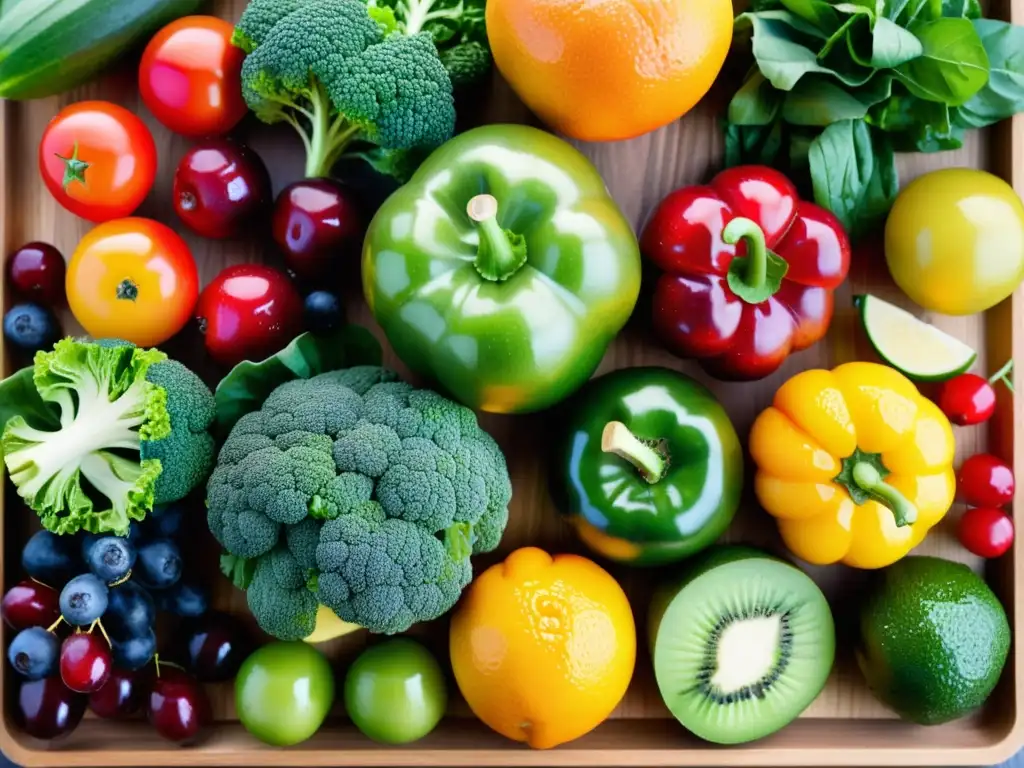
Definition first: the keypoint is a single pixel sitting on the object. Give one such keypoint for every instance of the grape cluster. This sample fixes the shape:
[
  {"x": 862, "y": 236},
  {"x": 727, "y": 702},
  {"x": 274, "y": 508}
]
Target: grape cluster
[{"x": 110, "y": 612}]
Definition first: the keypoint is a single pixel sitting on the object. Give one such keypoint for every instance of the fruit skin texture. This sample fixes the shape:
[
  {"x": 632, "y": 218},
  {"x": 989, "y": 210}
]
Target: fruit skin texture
[
  {"x": 318, "y": 227},
  {"x": 30, "y": 604},
  {"x": 395, "y": 692},
  {"x": 986, "y": 532},
  {"x": 283, "y": 692},
  {"x": 610, "y": 70},
  {"x": 132, "y": 279},
  {"x": 967, "y": 400},
  {"x": 121, "y": 696},
  {"x": 617, "y": 511},
  {"x": 46, "y": 708},
  {"x": 85, "y": 662},
  {"x": 854, "y": 463},
  {"x": 37, "y": 270},
  {"x": 933, "y": 639},
  {"x": 190, "y": 76},
  {"x": 248, "y": 312},
  {"x": 954, "y": 241},
  {"x": 986, "y": 481},
  {"x": 177, "y": 706},
  {"x": 114, "y": 167},
  {"x": 544, "y": 640},
  {"x": 31, "y": 327}
]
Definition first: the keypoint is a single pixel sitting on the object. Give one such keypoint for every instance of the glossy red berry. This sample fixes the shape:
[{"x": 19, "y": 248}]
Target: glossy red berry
[
  {"x": 46, "y": 709},
  {"x": 177, "y": 706},
  {"x": 121, "y": 696},
  {"x": 986, "y": 532},
  {"x": 318, "y": 227},
  {"x": 967, "y": 399},
  {"x": 30, "y": 604},
  {"x": 986, "y": 481},
  {"x": 85, "y": 662},
  {"x": 37, "y": 271}
]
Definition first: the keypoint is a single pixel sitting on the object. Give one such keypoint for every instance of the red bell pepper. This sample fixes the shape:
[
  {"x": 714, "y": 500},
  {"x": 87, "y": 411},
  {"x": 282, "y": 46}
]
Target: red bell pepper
[{"x": 748, "y": 271}]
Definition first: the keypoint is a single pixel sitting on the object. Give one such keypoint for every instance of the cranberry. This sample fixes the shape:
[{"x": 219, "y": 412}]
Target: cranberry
[
  {"x": 37, "y": 271},
  {"x": 120, "y": 696},
  {"x": 316, "y": 225},
  {"x": 177, "y": 705},
  {"x": 220, "y": 188},
  {"x": 85, "y": 662},
  {"x": 30, "y": 604},
  {"x": 46, "y": 708}
]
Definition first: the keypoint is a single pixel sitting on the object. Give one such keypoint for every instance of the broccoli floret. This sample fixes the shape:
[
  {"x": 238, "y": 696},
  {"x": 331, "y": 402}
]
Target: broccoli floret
[
  {"x": 130, "y": 433},
  {"x": 327, "y": 68},
  {"x": 258, "y": 18},
  {"x": 467, "y": 63},
  {"x": 281, "y": 596},
  {"x": 395, "y": 489}
]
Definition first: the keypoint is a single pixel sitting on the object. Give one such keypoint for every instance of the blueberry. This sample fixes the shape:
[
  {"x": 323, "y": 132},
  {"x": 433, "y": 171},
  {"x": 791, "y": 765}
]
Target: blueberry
[
  {"x": 158, "y": 565},
  {"x": 50, "y": 558},
  {"x": 110, "y": 558},
  {"x": 135, "y": 652},
  {"x": 130, "y": 611},
  {"x": 83, "y": 600},
  {"x": 30, "y": 327},
  {"x": 87, "y": 540},
  {"x": 184, "y": 599},
  {"x": 164, "y": 522},
  {"x": 322, "y": 312},
  {"x": 34, "y": 653}
]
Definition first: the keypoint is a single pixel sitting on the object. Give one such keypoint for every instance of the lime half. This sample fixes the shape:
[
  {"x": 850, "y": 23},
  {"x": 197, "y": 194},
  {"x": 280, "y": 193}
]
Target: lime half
[{"x": 912, "y": 346}]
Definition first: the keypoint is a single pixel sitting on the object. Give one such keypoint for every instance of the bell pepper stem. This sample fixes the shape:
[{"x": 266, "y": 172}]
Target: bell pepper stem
[
  {"x": 1004, "y": 375},
  {"x": 501, "y": 253},
  {"x": 869, "y": 479},
  {"x": 757, "y": 249},
  {"x": 616, "y": 438}
]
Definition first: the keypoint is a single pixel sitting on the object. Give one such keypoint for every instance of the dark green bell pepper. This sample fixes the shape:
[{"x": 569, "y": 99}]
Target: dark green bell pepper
[
  {"x": 650, "y": 469},
  {"x": 503, "y": 269}
]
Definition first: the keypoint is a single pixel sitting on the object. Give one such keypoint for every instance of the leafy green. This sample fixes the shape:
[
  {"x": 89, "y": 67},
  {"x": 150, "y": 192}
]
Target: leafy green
[
  {"x": 953, "y": 65},
  {"x": 819, "y": 101},
  {"x": 756, "y": 103},
  {"x": 1003, "y": 94},
  {"x": 753, "y": 144}
]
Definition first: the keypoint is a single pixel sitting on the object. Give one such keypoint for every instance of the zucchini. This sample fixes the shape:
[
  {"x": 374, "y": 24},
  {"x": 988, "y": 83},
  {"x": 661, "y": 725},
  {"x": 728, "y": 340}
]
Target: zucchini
[{"x": 50, "y": 46}]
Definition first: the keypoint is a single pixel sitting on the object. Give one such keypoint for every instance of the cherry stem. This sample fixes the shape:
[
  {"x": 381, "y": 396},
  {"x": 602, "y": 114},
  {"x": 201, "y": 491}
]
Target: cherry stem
[
  {"x": 1003, "y": 375},
  {"x": 40, "y": 583},
  {"x": 122, "y": 580},
  {"x": 103, "y": 631},
  {"x": 55, "y": 624}
]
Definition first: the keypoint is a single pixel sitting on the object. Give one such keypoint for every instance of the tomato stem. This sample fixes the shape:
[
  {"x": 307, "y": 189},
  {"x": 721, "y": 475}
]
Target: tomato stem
[
  {"x": 74, "y": 169},
  {"x": 128, "y": 290},
  {"x": 1004, "y": 375}
]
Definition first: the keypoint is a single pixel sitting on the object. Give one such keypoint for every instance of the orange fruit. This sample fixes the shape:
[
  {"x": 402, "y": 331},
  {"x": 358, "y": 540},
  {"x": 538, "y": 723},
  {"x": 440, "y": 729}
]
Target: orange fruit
[
  {"x": 543, "y": 648},
  {"x": 613, "y": 69}
]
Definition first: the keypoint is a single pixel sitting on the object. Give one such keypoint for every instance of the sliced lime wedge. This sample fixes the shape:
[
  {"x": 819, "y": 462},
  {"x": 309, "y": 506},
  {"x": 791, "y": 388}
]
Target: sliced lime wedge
[{"x": 912, "y": 346}]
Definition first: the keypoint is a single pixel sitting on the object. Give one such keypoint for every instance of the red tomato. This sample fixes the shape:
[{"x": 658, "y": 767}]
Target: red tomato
[
  {"x": 98, "y": 160},
  {"x": 248, "y": 312},
  {"x": 190, "y": 77},
  {"x": 986, "y": 481},
  {"x": 986, "y": 532}
]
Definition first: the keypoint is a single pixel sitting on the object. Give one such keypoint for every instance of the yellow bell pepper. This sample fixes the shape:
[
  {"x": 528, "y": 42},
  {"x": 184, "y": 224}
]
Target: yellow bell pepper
[{"x": 854, "y": 463}]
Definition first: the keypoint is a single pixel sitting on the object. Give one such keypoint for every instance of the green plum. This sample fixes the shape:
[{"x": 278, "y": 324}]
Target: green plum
[
  {"x": 395, "y": 692},
  {"x": 283, "y": 692}
]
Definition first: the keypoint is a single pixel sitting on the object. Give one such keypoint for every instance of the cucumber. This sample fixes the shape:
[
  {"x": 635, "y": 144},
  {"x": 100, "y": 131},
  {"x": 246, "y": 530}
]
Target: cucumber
[
  {"x": 50, "y": 46},
  {"x": 915, "y": 348}
]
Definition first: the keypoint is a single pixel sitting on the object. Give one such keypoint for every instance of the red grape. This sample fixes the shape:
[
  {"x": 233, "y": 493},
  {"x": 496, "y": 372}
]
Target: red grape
[
  {"x": 46, "y": 708},
  {"x": 85, "y": 662},
  {"x": 30, "y": 604},
  {"x": 177, "y": 705}
]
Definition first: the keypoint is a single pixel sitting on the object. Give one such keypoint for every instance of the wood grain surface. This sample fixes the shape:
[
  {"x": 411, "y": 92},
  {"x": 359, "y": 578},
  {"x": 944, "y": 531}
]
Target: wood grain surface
[{"x": 844, "y": 726}]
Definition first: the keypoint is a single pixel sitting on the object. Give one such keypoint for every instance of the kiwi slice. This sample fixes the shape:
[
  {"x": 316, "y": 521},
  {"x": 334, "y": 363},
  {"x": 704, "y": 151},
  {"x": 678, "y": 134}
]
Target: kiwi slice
[{"x": 742, "y": 646}]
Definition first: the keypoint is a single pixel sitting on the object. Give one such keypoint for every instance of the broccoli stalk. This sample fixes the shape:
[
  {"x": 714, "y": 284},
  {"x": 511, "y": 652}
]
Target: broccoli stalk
[{"x": 419, "y": 13}]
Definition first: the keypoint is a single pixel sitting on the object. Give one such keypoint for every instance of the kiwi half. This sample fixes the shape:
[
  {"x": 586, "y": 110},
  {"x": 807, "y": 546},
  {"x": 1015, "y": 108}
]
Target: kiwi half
[{"x": 741, "y": 646}]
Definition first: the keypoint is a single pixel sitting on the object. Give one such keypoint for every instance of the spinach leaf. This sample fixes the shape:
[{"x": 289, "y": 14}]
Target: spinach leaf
[
  {"x": 890, "y": 46},
  {"x": 906, "y": 12},
  {"x": 783, "y": 44},
  {"x": 756, "y": 102},
  {"x": 818, "y": 12},
  {"x": 853, "y": 170},
  {"x": 953, "y": 66},
  {"x": 1003, "y": 95},
  {"x": 916, "y": 125},
  {"x": 753, "y": 144},
  {"x": 964, "y": 9},
  {"x": 820, "y": 101}
]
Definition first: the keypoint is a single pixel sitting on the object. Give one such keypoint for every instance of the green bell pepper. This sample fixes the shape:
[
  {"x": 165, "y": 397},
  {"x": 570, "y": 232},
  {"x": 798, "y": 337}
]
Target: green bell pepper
[
  {"x": 503, "y": 269},
  {"x": 650, "y": 468}
]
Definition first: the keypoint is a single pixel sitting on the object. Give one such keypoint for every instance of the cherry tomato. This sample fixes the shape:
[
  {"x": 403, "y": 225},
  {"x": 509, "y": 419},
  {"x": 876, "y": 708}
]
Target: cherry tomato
[
  {"x": 969, "y": 399},
  {"x": 986, "y": 481},
  {"x": 248, "y": 312},
  {"x": 132, "y": 279},
  {"x": 986, "y": 532},
  {"x": 98, "y": 160},
  {"x": 37, "y": 271},
  {"x": 318, "y": 227},
  {"x": 190, "y": 77}
]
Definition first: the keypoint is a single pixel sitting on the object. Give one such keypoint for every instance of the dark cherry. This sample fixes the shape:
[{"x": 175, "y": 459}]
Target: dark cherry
[
  {"x": 85, "y": 662},
  {"x": 30, "y": 604},
  {"x": 36, "y": 270},
  {"x": 47, "y": 709},
  {"x": 216, "y": 645},
  {"x": 220, "y": 188},
  {"x": 121, "y": 696},
  {"x": 317, "y": 226},
  {"x": 177, "y": 706}
]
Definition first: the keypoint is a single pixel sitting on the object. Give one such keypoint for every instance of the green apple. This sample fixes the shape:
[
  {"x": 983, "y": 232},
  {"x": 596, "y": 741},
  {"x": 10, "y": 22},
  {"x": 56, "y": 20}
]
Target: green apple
[
  {"x": 395, "y": 692},
  {"x": 283, "y": 692}
]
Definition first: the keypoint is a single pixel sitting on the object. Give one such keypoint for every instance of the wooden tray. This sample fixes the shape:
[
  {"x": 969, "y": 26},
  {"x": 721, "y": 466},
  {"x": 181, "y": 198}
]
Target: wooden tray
[{"x": 845, "y": 726}]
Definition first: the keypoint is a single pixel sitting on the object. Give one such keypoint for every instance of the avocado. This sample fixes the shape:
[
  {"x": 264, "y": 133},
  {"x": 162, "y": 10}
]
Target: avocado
[{"x": 933, "y": 639}]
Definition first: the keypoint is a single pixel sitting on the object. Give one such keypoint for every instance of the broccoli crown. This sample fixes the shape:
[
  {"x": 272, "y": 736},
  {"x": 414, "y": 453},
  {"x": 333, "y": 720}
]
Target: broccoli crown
[
  {"x": 380, "y": 492},
  {"x": 466, "y": 63},
  {"x": 279, "y": 596},
  {"x": 327, "y": 64},
  {"x": 116, "y": 416}
]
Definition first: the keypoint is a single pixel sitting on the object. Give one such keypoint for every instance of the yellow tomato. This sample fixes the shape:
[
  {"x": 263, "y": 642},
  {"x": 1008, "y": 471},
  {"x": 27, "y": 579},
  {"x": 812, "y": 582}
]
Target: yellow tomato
[
  {"x": 132, "y": 279},
  {"x": 954, "y": 241}
]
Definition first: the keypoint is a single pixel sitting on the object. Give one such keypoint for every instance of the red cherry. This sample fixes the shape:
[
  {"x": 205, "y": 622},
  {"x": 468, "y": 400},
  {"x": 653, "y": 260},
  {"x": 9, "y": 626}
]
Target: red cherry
[
  {"x": 46, "y": 708},
  {"x": 317, "y": 226},
  {"x": 986, "y": 481},
  {"x": 37, "y": 271},
  {"x": 85, "y": 662},
  {"x": 220, "y": 188},
  {"x": 248, "y": 312},
  {"x": 121, "y": 696},
  {"x": 986, "y": 532},
  {"x": 30, "y": 604},
  {"x": 967, "y": 399},
  {"x": 177, "y": 707}
]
